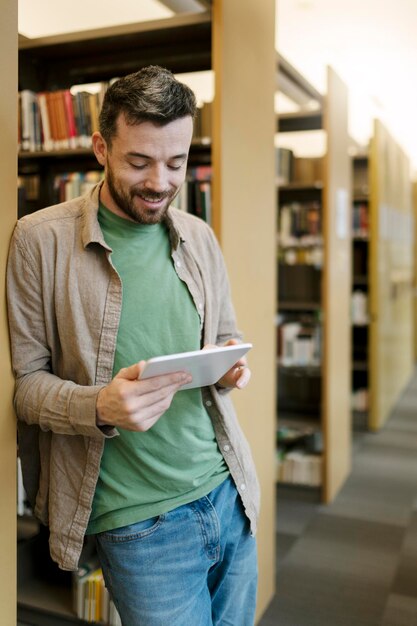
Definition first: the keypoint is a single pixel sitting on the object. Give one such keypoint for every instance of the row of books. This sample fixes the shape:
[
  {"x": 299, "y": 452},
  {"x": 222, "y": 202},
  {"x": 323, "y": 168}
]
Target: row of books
[
  {"x": 301, "y": 170},
  {"x": 299, "y": 344},
  {"x": 360, "y": 399},
  {"x": 360, "y": 219},
  {"x": 359, "y": 308},
  {"x": 73, "y": 184},
  {"x": 66, "y": 118},
  {"x": 58, "y": 120},
  {"x": 302, "y": 255},
  {"x": 194, "y": 196},
  {"x": 203, "y": 121},
  {"x": 298, "y": 220},
  {"x": 91, "y": 600},
  {"x": 299, "y": 467}
]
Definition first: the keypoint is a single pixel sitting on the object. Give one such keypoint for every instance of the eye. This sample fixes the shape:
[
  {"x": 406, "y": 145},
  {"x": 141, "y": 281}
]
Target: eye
[
  {"x": 176, "y": 164},
  {"x": 138, "y": 167}
]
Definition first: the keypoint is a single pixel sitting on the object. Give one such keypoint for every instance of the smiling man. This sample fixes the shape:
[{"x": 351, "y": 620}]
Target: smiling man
[{"x": 97, "y": 285}]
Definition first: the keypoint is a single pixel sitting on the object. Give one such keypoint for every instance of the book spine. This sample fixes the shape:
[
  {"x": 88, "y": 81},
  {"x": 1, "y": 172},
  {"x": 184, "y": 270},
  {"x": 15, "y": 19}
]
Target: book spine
[
  {"x": 70, "y": 118},
  {"x": 47, "y": 143},
  {"x": 26, "y": 100}
]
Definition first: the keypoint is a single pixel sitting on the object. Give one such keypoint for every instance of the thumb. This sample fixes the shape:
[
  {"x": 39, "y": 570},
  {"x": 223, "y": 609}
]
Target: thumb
[{"x": 133, "y": 372}]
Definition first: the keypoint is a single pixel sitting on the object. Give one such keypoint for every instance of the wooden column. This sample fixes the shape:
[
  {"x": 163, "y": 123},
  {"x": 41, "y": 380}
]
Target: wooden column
[
  {"x": 8, "y": 185},
  {"x": 245, "y": 222},
  {"x": 337, "y": 290}
]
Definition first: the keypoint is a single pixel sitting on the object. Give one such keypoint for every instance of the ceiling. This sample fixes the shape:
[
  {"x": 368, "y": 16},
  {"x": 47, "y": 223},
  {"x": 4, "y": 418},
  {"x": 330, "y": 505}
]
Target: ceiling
[{"x": 372, "y": 44}]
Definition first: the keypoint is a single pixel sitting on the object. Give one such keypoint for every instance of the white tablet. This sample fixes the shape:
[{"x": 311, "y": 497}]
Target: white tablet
[{"x": 205, "y": 366}]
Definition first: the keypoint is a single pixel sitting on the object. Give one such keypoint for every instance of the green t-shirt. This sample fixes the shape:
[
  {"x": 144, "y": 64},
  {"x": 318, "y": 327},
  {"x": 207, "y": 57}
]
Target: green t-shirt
[{"x": 145, "y": 474}]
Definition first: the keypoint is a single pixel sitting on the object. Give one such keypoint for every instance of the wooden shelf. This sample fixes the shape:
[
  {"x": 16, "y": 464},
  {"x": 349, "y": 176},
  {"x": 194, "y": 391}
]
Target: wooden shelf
[
  {"x": 306, "y": 370},
  {"x": 197, "y": 145},
  {"x": 44, "y": 604},
  {"x": 306, "y": 120},
  {"x": 299, "y": 306},
  {"x": 329, "y": 287},
  {"x": 299, "y": 420},
  {"x": 315, "y": 488},
  {"x": 181, "y": 43},
  {"x": 313, "y": 186}
]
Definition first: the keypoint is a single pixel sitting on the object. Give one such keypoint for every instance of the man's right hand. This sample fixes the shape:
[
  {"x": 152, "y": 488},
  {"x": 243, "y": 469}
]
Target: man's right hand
[{"x": 133, "y": 404}]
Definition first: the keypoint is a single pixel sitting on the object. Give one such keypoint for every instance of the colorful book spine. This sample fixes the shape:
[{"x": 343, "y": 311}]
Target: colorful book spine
[{"x": 58, "y": 120}]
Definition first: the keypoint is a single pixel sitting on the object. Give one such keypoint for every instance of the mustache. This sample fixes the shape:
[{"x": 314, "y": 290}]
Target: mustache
[{"x": 152, "y": 195}]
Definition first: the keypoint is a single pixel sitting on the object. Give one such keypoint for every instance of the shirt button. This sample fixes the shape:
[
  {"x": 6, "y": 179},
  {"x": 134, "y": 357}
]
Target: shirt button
[
  {"x": 200, "y": 306},
  {"x": 178, "y": 263},
  {"x": 208, "y": 403},
  {"x": 243, "y": 487},
  {"x": 226, "y": 448}
]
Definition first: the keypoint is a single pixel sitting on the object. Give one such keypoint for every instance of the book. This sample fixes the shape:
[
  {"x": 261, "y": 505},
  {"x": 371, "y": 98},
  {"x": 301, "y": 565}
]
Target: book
[
  {"x": 91, "y": 599},
  {"x": 47, "y": 141},
  {"x": 27, "y": 102},
  {"x": 70, "y": 119}
]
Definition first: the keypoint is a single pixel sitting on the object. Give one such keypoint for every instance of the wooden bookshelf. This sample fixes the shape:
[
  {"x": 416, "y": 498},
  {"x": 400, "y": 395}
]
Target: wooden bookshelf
[
  {"x": 361, "y": 379},
  {"x": 47, "y": 64},
  {"x": 391, "y": 269},
  {"x": 184, "y": 44},
  {"x": 323, "y": 388},
  {"x": 383, "y": 267}
]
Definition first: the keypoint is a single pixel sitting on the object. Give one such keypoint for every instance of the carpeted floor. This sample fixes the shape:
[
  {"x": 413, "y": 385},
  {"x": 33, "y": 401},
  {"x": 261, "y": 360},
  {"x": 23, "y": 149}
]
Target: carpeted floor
[{"x": 354, "y": 562}]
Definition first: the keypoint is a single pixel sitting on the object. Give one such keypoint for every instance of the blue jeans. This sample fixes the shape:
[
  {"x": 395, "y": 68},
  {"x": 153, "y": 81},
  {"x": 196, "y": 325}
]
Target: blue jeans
[{"x": 193, "y": 566}]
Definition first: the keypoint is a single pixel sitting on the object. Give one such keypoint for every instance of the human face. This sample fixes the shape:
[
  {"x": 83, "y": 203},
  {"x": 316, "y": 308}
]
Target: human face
[{"x": 144, "y": 168}]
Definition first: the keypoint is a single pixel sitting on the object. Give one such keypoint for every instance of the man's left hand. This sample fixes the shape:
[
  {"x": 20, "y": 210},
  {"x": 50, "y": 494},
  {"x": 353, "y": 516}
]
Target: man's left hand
[{"x": 239, "y": 375}]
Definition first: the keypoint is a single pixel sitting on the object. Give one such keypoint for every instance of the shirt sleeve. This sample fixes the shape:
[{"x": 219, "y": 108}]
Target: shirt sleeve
[
  {"x": 41, "y": 397},
  {"x": 226, "y": 326}
]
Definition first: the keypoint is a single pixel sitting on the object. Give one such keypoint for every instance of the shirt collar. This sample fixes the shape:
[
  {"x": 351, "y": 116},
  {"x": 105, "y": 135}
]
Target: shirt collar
[{"x": 91, "y": 231}]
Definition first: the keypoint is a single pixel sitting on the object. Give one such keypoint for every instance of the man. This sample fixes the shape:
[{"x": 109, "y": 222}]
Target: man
[{"x": 96, "y": 286}]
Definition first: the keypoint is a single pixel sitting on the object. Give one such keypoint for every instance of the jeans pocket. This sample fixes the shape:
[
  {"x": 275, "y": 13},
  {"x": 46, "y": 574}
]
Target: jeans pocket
[{"x": 132, "y": 532}]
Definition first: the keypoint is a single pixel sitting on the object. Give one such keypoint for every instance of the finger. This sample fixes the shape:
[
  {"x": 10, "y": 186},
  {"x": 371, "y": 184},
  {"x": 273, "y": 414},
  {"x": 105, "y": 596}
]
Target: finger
[
  {"x": 147, "y": 415},
  {"x": 153, "y": 390},
  {"x": 132, "y": 372},
  {"x": 243, "y": 377},
  {"x": 232, "y": 342},
  {"x": 163, "y": 380}
]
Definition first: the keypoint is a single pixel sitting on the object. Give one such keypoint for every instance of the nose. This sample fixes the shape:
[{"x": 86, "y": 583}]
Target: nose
[{"x": 157, "y": 178}]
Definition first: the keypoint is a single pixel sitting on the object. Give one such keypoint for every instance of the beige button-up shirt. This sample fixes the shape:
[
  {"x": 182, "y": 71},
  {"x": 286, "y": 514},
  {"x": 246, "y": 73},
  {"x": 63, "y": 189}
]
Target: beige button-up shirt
[{"x": 64, "y": 301}]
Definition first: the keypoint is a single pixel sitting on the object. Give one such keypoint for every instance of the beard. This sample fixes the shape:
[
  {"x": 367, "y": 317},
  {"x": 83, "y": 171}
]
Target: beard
[{"x": 125, "y": 200}]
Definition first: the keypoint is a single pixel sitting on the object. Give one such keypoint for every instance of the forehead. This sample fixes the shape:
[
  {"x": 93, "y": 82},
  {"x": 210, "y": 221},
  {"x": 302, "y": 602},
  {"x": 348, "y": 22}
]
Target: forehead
[{"x": 148, "y": 135}]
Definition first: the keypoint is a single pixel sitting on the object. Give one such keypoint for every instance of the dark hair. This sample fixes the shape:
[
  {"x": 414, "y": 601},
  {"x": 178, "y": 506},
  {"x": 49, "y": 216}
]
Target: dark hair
[{"x": 152, "y": 94}]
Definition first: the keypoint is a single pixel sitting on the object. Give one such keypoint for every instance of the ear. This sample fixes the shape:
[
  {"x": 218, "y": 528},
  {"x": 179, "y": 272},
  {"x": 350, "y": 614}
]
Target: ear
[{"x": 100, "y": 148}]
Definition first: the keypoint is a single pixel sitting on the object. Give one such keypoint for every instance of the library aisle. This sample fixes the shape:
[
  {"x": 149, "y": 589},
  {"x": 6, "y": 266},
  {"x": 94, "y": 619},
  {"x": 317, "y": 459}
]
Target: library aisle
[{"x": 354, "y": 562}]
